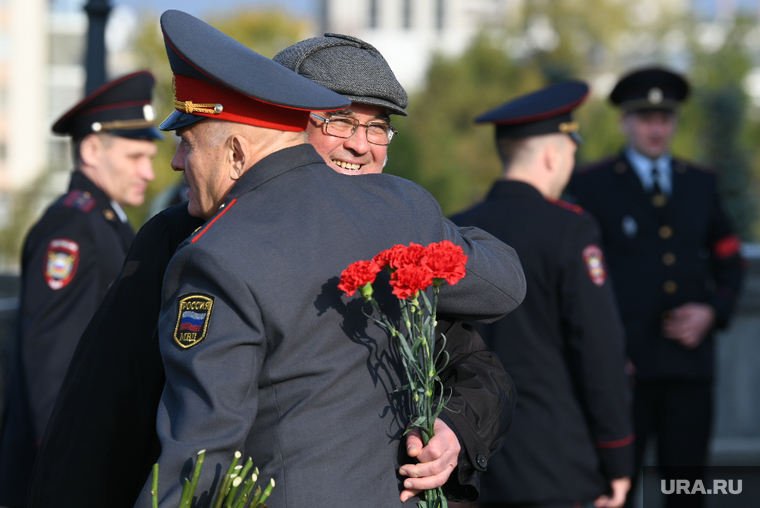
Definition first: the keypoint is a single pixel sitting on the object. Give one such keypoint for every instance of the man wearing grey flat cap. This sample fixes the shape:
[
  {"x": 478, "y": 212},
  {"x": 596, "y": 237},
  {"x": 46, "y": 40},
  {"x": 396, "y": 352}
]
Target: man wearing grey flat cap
[
  {"x": 262, "y": 354},
  {"x": 354, "y": 141}
]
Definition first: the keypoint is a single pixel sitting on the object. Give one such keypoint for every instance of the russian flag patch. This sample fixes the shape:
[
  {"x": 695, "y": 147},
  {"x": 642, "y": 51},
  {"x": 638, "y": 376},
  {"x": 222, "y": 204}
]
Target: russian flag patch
[{"x": 193, "y": 316}]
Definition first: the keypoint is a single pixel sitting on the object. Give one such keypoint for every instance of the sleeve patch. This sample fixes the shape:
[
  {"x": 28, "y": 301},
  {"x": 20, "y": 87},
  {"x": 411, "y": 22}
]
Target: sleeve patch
[
  {"x": 61, "y": 262},
  {"x": 79, "y": 200},
  {"x": 193, "y": 317},
  {"x": 594, "y": 261},
  {"x": 727, "y": 246}
]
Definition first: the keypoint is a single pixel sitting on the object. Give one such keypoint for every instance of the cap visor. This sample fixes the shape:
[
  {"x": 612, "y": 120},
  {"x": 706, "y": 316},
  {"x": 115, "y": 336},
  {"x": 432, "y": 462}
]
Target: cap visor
[
  {"x": 148, "y": 133},
  {"x": 177, "y": 120}
]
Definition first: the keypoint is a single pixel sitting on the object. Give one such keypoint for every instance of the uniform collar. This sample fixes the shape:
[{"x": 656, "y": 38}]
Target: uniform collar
[
  {"x": 512, "y": 188},
  {"x": 80, "y": 182},
  {"x": 642, "y": 166},
  {"x": 273, "y": 165}
]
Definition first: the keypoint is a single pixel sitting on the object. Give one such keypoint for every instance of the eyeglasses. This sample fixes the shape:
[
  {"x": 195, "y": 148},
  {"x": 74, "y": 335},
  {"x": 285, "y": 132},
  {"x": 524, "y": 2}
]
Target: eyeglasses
[{"x": 378, "y": 133}]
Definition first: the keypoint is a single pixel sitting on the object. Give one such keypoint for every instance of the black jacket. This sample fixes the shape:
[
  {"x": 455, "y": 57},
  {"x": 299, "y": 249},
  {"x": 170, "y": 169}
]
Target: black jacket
[
  {"x": 571, "y": 431},
  {"x": 662, "y": 257},
  {"x": 70, "y": 257},
  {"x": 102, "y": 439}
]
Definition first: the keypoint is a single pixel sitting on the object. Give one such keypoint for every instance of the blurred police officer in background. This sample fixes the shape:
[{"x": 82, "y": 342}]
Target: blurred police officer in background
[
  {"x": 570, "y": 441},
  {"x": 71, "y": 256},
  {"x": 354, "y": 141},
  {"x": 675, "y": 263}
]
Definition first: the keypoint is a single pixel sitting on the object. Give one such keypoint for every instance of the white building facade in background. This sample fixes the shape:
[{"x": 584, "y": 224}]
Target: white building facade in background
[{"x": 409, "y": 32}]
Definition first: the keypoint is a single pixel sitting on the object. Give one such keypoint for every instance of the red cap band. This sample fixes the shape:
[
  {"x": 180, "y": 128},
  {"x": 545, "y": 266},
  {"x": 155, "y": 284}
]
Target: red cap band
[{"x": 237, "y": 107}]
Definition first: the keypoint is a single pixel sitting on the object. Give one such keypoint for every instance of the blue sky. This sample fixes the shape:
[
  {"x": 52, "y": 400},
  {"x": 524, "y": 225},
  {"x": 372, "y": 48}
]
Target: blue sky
[{"x": 201, "y": 8}]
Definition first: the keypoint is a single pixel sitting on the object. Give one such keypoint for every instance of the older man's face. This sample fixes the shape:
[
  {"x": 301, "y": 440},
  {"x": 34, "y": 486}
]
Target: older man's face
[
  {"x": 354, "y": 155},
  {"x": 200, "y": 156}
]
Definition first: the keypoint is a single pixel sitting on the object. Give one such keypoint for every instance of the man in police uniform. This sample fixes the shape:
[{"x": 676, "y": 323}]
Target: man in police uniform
[
  {"x": 675, "y": 264},
  {"x": 354, "y": 141},
  {"x": 570, "y": 441},
  {"x": 72, "y": 255},
  {"x": 251, "y": 316}
]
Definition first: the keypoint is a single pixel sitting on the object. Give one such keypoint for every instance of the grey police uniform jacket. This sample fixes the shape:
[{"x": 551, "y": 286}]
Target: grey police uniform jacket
[{"x": 263, "y": 353}]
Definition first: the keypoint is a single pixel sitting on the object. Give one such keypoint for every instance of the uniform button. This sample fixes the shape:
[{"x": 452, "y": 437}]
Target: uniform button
[
  {"x": 482, "y": 460},
  {"x": 620, "y": 168},
  {"x": 670, "y": 287},
  {"x": 666, "y": 232},
  {"x": 668, "y": 259},
  {"x": 659, "y": 200}
]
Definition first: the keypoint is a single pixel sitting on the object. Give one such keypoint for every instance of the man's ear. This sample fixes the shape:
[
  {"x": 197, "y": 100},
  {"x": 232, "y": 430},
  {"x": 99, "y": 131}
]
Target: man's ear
[
  {"x": 551, "y": 155},
  {"x": 238, "y": 156},
  {"x": 89, "y": 149}
]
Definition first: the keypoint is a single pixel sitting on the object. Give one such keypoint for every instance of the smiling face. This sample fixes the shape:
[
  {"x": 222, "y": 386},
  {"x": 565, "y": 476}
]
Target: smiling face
[
  {"x": 354, "y": 155},
  {"x": 649, "y": 132},
  {"x": 200, "y": 155}
]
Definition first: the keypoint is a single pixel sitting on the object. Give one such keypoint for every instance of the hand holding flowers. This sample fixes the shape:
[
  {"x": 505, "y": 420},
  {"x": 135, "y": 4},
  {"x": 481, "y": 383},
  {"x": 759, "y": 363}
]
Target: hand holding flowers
[{"x": 414, "y": 269}]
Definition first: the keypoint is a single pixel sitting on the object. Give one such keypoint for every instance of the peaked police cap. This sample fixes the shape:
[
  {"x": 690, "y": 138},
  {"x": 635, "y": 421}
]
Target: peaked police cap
[
  {"x": 651, "y": 88},
  {"x": 217, "y": 77},
  {"x": 121, "y": 107},
  {"x": 545, "y": 111}
]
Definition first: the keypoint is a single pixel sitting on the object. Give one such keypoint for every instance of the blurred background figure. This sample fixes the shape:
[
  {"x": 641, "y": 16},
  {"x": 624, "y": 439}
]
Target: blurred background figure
[
  {"x": 570, "y": 441},
  {"x": 72, "y": 255},
  {"x": 675, "y": 263}
]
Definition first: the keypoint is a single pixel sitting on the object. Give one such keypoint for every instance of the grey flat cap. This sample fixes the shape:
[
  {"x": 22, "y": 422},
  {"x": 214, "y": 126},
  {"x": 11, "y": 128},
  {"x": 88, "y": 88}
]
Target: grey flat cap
[{"x": 348, "y": 66}]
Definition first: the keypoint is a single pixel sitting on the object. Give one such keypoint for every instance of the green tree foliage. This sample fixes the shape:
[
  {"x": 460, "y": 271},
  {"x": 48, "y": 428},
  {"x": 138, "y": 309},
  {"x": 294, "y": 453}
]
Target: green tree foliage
[
  {"x": 266, "y": 32},
  {"x": 551, "y": 40}
]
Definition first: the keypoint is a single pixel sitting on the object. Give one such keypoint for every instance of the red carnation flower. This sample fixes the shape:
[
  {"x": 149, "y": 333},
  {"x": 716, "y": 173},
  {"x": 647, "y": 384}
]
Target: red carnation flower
[
  {"x": 408, "y": 280},
  {"x": 357, "y": 275},
  {"x": 446, "y": 260}
]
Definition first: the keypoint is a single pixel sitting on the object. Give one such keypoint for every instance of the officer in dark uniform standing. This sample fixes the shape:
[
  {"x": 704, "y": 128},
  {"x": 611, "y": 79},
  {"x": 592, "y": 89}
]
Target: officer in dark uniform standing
[
  {"x": 675, "y": 263},
  {"x": 570, "y": 440},
  {"x": 72, "y": 255}
]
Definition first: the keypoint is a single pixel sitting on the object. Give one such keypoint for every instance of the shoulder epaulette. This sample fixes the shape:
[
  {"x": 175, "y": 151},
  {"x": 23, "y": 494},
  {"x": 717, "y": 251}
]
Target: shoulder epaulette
[
  {"x": 79, "y": 200},
  {"x": 567, "y": 206},
  {"x": 593, "y": 166},
  {"x": 681, "y": 165}
]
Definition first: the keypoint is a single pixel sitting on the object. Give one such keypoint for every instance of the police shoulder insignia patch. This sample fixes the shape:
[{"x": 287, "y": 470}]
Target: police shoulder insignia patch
[
  {"x": 193, "y": 317},
  {"x": 79, "y": 200},
  {"x": 594, "y": 261},
  {"x": 61, "y": 262}
]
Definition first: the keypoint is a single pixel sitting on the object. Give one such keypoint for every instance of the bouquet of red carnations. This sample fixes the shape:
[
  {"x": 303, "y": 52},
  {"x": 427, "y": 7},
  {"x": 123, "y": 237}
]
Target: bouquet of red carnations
[{"x": 414, "y": 269}]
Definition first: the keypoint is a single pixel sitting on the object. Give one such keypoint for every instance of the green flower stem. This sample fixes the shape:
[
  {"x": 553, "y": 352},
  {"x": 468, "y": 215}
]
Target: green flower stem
[
  {"x": 267, "y": 491},
  {"x": 154, "y": 486},
  {"x": 247, "y": 467},
  {"x": 223, "y": 491},
  {"x": 256, "y": 497},
  {"x": 185, "y": 493},
  {"x": 246, "y": 492},
  {"x": 234, "y": 463},
  {"x": 196, "y": 475},
  {"x": 230, "y": 496}
]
